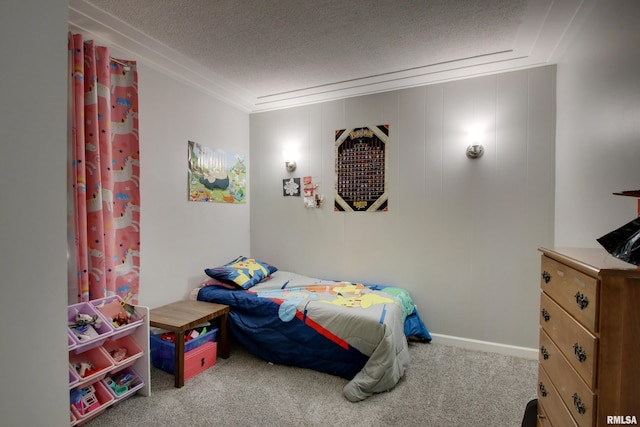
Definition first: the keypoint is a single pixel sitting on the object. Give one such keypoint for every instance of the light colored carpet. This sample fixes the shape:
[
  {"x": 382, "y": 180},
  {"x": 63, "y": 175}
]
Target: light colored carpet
[{"x": 445, "y": 386}]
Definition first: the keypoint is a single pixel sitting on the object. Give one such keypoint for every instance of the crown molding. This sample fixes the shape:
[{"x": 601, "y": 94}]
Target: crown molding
[{"x": 547, "y": 28}]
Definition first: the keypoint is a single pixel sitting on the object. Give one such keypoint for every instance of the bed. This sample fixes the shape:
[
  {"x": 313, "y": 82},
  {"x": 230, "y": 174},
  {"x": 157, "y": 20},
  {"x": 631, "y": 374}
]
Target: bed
[{"x": 355, "y": 331}]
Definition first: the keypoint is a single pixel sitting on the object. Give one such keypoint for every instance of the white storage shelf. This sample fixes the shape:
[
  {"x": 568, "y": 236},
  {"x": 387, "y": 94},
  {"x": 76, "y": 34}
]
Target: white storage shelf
[{"x": 136, "y": 365}]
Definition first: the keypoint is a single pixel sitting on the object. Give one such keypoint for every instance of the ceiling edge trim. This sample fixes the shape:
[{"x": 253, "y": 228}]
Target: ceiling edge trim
[{"x": 399, "y": 84}]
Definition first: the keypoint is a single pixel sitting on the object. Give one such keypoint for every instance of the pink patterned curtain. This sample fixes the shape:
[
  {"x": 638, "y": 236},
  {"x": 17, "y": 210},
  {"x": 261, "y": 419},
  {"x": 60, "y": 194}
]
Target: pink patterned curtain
[{"x": 105, "y": 172}]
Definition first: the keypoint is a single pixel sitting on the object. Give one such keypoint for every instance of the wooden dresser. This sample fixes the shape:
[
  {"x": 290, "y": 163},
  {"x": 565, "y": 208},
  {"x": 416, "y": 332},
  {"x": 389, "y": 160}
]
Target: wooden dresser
[{"x": 589, "y": 370}]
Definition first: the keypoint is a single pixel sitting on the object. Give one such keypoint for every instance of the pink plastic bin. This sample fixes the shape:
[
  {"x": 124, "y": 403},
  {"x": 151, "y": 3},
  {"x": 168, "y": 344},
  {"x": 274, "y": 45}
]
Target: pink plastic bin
[
  {"x": 105, "y": 399},
  {"x": 134, "y": 351},
  {"x": 98, "y": 358},
  {"x": 103, "y": 331},
  {"x": 107, "y": 313}
]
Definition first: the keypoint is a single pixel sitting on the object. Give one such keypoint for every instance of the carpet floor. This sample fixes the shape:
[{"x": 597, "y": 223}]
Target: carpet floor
[{"x": 445, "y": 386}]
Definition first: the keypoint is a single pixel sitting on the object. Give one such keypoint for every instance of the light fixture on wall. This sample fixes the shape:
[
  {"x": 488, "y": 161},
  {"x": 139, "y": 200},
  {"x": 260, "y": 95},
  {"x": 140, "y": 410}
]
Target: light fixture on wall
[
  {"x": 289, "y": 160},
  {"x": 475, "y": 150}
]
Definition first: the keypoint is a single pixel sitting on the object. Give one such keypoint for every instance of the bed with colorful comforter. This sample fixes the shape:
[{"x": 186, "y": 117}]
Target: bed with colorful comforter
[{"x": 356, "y": 331}]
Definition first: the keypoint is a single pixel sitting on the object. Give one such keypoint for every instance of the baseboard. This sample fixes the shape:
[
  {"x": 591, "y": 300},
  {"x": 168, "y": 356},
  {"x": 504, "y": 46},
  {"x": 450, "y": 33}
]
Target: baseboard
[{"x": 491, "y": 347}]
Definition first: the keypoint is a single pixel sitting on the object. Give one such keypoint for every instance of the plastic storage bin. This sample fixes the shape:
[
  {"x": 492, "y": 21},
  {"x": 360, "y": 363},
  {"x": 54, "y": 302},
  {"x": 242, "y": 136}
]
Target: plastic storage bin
[
  {"x": 163, "y": 352},
  {"x": 123, "y": 383},
  {"x": 73, "y": 378},
  {"x": 95, "y": 399},
  {"x": 200, "y": 359},
  {"x": 71, "y": 340},
  {"x": 109, "y": 308},
  {"x": 132, "y": 351},
  {"x": 97, "y": 358},
  {"x": 96, "y": 335}
]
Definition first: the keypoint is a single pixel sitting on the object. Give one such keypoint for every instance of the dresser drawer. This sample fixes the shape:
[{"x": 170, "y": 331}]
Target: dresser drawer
[
  {"x": 543, "y": 419},
  {"x": 550, "y": 403},
  {"x": 572, "y": 390},
  {"x": 573, "y": 290},
  {"x": 577, "y": 344}
]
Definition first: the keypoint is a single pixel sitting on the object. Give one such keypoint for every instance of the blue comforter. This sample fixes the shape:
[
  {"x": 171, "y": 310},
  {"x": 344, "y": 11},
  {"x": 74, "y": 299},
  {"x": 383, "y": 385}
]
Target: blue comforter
[{"x": 358, "y": 332}]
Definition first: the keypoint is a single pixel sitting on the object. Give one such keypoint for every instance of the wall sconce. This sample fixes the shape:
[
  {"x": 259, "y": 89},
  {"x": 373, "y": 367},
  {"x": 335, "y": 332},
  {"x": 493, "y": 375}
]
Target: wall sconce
[
  {"x": 475, "y": 150},
  {"x": 289, "y": 160}
]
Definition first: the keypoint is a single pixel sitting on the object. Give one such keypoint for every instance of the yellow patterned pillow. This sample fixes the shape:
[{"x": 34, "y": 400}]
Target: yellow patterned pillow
[{"x": 242, "y": 272}]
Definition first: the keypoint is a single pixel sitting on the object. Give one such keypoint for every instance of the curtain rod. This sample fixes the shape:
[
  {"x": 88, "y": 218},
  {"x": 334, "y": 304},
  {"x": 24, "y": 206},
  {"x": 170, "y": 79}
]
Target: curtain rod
[
  {"x": 111, "y": 58},
  {"x": 126, "y": 66}
]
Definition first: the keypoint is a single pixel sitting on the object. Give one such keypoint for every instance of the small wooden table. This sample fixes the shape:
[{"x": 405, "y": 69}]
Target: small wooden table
[{"x": 180, "y": 316}]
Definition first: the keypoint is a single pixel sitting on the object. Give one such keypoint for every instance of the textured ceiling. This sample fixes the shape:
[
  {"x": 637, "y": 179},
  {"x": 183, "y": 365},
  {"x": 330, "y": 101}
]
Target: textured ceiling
[{"x": 277, "y": 53}]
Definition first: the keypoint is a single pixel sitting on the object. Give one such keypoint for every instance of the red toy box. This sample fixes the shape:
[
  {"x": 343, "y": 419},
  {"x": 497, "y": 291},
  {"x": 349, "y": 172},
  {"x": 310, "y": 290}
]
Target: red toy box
[{"x": 200, "y": 359}]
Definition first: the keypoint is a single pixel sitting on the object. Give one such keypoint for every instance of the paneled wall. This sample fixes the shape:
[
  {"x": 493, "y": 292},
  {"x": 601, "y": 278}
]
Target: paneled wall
[
  {"x": 599, "y": 126},
  {"x": 461, "y": 235},
  {"x": 179, "y": 238}
]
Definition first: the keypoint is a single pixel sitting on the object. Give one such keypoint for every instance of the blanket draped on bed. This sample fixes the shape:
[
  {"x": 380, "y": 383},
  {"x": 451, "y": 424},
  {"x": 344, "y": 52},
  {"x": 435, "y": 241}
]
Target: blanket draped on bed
[{"x": 355, "y": 331}]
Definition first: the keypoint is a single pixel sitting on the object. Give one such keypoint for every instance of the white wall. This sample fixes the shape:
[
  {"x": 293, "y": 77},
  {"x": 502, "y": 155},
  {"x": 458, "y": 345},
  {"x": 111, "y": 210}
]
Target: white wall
[
  {"x": 461, "y": 235},
  {"x": 179, "y": 239},
  {"x": 598, "y": 125},
  {"x": 33, "y": 360}
]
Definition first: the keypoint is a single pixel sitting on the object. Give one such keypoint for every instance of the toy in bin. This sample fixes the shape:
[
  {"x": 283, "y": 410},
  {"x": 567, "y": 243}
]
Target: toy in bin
[
  {"x": 120, "y": 312},
  {"x": 188, "y": 336},
  {"x": 84, "y": 400},
  {"x": 85, "y": 369},
  {"x": 120, "y": 383},
  {"x": 119, "y": 354},
  {"x": 84, "y": 326}
]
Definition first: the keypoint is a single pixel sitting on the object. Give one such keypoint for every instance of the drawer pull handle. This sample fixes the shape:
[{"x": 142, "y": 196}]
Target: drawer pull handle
[
  {"x": 581, "y": 355},
  {"x": 543, "y": 391},
  {"x": 544, "y": 352},
  {"x": 546, "y": 276},
  {"x": 202, "y": 362},
  {"x": 545, "y": 314},
  {"x": 581, "y": 300},
  {"x": 578, "y": 404}
]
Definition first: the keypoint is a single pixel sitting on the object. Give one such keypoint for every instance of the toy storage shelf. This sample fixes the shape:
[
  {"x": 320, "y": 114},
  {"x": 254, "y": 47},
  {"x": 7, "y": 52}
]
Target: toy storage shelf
[{"x": 100, "y": 386}]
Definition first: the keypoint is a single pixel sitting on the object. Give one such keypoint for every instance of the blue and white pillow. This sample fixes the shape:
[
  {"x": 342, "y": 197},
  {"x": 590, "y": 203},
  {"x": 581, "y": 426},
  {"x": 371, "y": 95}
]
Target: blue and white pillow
[{"x": 242, "y": 272}]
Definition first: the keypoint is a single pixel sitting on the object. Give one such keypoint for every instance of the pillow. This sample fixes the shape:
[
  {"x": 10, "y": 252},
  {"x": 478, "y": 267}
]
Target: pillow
[
  {"x": 215, "y": 282},
  {"x": 242, "y": 272}
]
